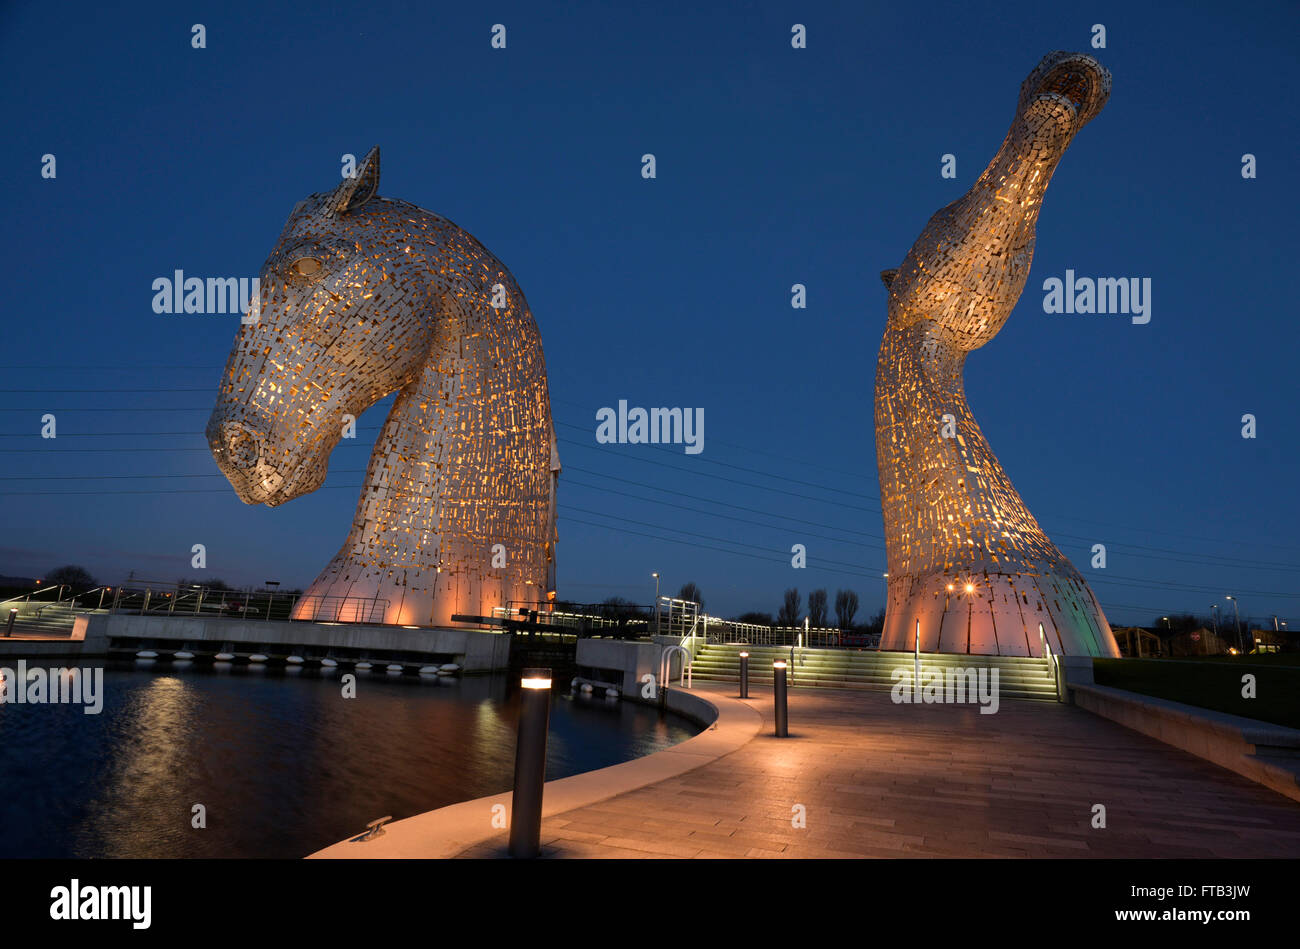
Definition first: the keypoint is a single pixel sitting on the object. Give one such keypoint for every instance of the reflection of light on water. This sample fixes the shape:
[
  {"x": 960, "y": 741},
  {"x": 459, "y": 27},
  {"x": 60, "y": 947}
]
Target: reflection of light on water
[
  {"x": 488, "y": 730},
  {"x": 283, "y": 768},
  {"x": 145, "y": 785}
]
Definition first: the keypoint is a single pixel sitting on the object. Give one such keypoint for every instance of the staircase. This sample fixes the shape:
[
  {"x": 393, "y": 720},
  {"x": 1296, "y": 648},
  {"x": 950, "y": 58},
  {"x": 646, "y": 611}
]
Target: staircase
[
  {"x": 54, "y": 620},
  {"x": 1018, "y": 677}
]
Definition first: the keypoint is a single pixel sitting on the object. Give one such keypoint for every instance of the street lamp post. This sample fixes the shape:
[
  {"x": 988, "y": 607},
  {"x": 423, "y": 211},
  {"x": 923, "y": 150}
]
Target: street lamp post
[
  {"x": 655, "y": 575},
  {"x": 530, "y": 764},
  {"x": 779, "y": 699},
  {"x": 1236, "y": 614}
]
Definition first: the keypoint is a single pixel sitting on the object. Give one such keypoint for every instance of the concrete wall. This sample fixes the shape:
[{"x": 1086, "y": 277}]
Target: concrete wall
[
  {"x": 1266, "y": 753},
  {"x": 633, "y": 658},
  {"x": 474, "y": 651}
]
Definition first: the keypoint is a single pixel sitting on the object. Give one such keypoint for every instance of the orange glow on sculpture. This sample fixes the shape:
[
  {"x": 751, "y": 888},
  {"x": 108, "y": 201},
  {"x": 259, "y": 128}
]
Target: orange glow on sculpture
[
  {"x": 950, "y": 510},
  {"x": 363, "y": 296}
]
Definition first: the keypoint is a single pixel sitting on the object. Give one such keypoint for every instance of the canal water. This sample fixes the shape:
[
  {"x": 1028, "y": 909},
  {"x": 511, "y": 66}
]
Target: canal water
[{"x": 282, "y": 764}]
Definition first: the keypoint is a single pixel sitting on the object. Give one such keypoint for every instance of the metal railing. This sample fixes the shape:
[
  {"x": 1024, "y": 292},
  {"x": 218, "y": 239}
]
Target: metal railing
[
  {"x": 618, "y": 622},
  {"x": 1053, "y": 661},
  {"x": 339, "y": 609},
  {"x": 728, "y": 632},
  {"x": 666, "y": 666},
  {"x": 26, "y": 599},
  {"x": 674, "y": 617},
  {"x": 155, "y": 598}
]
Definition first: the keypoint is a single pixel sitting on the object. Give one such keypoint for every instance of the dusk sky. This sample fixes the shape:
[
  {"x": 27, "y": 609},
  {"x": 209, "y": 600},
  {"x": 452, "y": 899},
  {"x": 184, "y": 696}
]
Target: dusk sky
[{"x": 775, "y": 166}]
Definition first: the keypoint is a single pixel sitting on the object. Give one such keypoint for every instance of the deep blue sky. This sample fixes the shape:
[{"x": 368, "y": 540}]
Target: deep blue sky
[{"x": 775, "y": 166}]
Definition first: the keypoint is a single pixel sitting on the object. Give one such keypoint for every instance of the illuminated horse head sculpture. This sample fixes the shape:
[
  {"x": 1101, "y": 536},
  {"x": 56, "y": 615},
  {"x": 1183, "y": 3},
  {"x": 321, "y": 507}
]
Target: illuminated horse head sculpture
[
  {"x": 363, "y": 296},
  {"x": 970, "y": 570}
]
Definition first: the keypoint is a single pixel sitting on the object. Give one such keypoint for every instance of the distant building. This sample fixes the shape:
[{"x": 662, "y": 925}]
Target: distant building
[
  {"x": 1266, "y": 640},
  {"x": 1197, "y": 642}
]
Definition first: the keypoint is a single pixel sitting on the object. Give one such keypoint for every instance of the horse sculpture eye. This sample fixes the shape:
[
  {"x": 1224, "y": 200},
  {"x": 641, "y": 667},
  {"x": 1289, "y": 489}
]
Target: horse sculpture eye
[{"x": 306, "y": 266}]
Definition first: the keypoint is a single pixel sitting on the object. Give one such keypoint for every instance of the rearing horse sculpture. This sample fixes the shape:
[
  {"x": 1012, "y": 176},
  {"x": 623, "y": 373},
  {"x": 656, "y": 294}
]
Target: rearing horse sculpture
[
  {"x": 970, "y": 570},
  {"x": 360, "y": 297}
]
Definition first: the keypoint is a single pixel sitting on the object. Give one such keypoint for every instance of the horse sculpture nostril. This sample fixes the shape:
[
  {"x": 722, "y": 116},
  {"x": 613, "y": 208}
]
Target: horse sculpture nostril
[{"x": 243, "y": 445}]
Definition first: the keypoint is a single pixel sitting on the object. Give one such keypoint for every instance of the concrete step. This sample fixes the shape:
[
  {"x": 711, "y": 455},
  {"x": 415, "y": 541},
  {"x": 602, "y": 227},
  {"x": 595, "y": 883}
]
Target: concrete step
[
  {"x": 891, "y": 659},
  {"x": 960, "y": 659},
  {"x": 1014, "y": 674},
  {"x": 1018, "y": 676},
  {"x": 880, "y": 675},
  {"x": 879, "y": 681},
  {"x": 1045, "y": 695}
]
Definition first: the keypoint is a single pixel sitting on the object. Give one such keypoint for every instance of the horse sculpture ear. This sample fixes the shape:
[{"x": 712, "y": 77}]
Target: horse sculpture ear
[{"x": 354, "y": 192}]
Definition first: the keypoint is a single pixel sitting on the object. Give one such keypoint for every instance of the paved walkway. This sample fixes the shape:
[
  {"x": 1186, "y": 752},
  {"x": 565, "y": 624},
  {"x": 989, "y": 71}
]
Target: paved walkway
[{"x": 884, "y": 780}]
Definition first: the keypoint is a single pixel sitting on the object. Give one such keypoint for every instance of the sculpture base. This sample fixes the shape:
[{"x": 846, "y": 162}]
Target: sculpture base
[
  {"x": 999, "y": 617},
  {"x": 352, "y": 593}
]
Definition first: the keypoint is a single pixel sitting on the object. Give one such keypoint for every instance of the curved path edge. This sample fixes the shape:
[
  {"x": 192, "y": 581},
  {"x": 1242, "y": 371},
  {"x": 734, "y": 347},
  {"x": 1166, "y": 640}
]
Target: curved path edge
[{"x": 448, "y": 831}]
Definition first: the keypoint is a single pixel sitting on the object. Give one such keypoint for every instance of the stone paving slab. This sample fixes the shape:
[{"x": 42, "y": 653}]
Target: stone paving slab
[{"x": 883, "y": 780}]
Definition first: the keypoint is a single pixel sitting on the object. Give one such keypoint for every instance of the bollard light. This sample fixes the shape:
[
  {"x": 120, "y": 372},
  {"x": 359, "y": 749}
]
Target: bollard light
[
  {"x": 778, "y": 695},
  {"x": 530, "y": 764},
  {"x": 13, "y": 615},
  {"x": 744, "y": 675}
]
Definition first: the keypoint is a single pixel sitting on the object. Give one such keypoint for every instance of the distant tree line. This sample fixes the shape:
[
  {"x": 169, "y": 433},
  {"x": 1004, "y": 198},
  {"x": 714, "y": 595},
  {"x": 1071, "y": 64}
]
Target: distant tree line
[{"x": 790, "y": 613}]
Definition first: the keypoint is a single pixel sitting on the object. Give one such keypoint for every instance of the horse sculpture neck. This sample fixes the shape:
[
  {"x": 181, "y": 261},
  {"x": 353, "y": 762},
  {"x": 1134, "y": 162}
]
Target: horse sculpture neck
[
  {"x": 970, "y": 569},
  {"x": 456, "y": 515},
  {"x": 364, "y": 296}
]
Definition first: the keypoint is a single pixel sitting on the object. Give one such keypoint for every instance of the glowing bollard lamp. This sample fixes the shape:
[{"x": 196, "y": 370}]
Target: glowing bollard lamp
[
  {"x": 530, "y": 764},
  {"x": 778, "y": 695},
  {"x": 744, "y": 675}
]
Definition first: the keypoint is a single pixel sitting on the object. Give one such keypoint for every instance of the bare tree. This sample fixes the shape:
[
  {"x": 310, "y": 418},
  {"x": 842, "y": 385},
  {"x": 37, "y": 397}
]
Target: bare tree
[
  {"x": 1181, "y": 623},
  {"x": 71, "y": 575},
  {"x": 691, "y": 594},
  {"x": 846, "y": 607},
  {"x": 817, "y": 608},
  {"x": 790, "y": 606},
  {"x": 876, "y": 624}
]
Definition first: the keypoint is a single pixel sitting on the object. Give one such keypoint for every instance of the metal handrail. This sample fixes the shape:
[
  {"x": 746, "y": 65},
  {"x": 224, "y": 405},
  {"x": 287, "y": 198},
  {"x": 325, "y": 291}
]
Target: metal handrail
[
  {"x": 26, "y": 597},
  {"x": 101, "y": 589},
  {"x": 665, "y": 666},
  {"x": 1053, "y": 661},
  {"x": 143, "y": 596}
]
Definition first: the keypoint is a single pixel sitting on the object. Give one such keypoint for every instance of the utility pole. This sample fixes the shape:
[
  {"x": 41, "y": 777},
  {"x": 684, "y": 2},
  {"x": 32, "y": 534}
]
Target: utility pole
[
  {"x": 1237, "y": 617},
  {"x": 656, "y": 576}
]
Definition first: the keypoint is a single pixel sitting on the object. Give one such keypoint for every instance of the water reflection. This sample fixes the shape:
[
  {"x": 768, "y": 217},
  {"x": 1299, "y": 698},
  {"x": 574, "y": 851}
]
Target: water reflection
[{"x": 282, "y": 764}]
